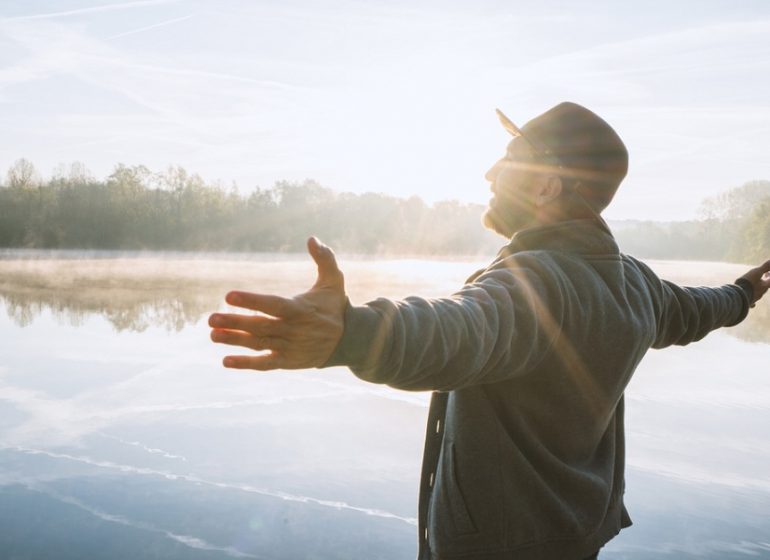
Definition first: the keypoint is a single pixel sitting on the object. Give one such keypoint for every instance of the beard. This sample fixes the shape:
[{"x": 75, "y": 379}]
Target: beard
[
  {"x": 507, "y": 218},
  {"x": 492, "y": 220}
]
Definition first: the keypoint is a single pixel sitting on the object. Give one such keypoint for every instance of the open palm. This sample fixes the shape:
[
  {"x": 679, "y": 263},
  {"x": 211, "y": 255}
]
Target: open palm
[{"x": 299, "y": 332}]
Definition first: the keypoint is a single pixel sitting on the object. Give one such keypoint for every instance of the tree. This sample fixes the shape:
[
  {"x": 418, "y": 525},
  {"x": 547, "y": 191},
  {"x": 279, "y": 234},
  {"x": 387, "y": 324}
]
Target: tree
[
  {"x": 75, "y": 174},
  {"x": 134, "y": 208},
  {"x": 755, "y": 235},
  {"x": 737, "y": 203},
  {"x": 22, "y": 174}
]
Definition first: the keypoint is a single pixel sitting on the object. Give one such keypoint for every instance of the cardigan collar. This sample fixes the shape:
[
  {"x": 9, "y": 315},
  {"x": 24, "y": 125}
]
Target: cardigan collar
[{"x": 583, "y": 237}]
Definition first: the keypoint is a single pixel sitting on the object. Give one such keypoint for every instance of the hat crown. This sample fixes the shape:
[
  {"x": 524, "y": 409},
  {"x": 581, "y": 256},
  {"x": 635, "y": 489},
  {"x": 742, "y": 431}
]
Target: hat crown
[{"x": 588, "y": 149}]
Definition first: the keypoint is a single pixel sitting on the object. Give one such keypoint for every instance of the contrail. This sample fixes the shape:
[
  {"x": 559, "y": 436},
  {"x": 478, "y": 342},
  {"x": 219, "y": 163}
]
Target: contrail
[
  {"x": 153, "y": 26},
  {"x": 93, "y": 9},
  {"x": 139, "y": 444},
  {"x": 187, "y": 540},
  {"x": 195, "y": 479}
]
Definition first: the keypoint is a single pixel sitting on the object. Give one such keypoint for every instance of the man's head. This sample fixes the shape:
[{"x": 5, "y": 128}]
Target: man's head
[{"x": 564, "y": 164}]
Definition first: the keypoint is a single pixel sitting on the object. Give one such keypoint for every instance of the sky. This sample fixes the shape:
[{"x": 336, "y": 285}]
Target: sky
[{"x": 395, "y": 97}]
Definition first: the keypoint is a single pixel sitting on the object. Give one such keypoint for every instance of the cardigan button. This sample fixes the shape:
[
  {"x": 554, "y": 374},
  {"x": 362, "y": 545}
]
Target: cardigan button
[
  {"x": 430, "y": 483},
  {"x": 438, "y": 425}
]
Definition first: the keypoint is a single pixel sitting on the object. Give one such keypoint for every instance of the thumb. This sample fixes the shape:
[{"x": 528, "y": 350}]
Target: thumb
[
  {"x": 761, "y": 275},
  {"x": 329, "y": 274}
]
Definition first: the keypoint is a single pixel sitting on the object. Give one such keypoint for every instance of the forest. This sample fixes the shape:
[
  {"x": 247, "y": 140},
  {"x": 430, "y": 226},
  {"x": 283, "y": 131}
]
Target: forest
[{"x": 135, "y": 208}]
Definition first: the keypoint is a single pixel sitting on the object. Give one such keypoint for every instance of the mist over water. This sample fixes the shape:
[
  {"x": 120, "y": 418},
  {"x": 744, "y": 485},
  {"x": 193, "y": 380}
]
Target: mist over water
[{"x": 122, "y": 436}]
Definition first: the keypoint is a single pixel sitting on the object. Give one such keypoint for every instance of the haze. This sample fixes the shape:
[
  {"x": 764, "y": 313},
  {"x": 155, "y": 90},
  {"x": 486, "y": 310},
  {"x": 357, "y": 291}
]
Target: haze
[{"x": 394, "y": 97}]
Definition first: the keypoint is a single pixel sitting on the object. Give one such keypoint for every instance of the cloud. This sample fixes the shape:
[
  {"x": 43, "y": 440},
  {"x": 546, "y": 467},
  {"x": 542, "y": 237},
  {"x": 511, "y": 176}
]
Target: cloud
[
  {"x": 187, "y": 540},
  {"x": 92, "y": 9},
  {"x": 65, "y": 421},
  {"x": 286, "y": 496},
  {"x": 622, "y": 73},
  {"x": 172, "y": 106},
  {"x": 153, "y": 450},
  {"x": 688, "y": 471},
  {"x": 250, "y": 105},
  {"x": 153, "y": 26}
]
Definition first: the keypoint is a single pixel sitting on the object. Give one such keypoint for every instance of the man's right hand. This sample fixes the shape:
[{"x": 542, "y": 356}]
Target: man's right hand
[
  {"x": 759, "y": 278},
  {"x": 300, "y": 332}
]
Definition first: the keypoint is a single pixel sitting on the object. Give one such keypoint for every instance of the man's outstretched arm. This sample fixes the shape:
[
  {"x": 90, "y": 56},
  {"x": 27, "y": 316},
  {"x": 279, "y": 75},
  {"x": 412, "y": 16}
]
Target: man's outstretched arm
[
  {"x": 687, "y": 314},
  {"x": 299, "y": 332},
  {"x": 496, "y": 328}
]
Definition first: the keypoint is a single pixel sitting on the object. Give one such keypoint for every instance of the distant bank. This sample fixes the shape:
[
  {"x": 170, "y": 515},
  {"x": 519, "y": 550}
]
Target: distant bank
[{"x": 136, "y": 209}]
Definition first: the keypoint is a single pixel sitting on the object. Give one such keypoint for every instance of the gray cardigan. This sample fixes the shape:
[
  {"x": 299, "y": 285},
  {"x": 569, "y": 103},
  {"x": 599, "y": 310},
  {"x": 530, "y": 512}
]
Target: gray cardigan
[{"x": 524, "y": 451}]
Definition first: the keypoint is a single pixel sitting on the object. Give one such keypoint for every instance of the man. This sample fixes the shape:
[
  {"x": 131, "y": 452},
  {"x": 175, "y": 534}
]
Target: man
[{"x": 524, "y": 452}]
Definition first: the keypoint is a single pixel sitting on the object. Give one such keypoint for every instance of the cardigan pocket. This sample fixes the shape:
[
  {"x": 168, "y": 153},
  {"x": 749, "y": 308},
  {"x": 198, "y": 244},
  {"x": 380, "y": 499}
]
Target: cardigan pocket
[{"x": 458, "y": 509}]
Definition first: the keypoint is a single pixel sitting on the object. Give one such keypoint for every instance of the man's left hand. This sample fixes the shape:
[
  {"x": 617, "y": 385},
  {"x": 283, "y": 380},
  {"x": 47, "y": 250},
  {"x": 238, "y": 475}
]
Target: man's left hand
[{"x": 760, "y": 280}]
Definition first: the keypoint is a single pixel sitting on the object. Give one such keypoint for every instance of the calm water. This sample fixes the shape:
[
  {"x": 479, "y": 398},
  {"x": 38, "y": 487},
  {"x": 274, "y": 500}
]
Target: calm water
[{"x": 121, "y": 436}]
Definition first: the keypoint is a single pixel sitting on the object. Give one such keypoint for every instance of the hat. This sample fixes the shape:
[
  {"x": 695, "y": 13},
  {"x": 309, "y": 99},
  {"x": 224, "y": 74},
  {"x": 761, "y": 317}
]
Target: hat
[{"x": 582, "y": 144}]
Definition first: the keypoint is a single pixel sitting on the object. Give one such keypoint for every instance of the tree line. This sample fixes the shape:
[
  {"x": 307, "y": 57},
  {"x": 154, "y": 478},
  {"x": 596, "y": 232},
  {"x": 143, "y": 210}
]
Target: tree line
[
  {"x": 733, "y": 226},
  {"x": 135, "y": 209}
]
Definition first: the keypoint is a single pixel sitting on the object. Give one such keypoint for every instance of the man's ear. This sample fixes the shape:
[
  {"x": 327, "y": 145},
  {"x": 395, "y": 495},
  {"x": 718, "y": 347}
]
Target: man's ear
[{"x": 549, "y": 189}]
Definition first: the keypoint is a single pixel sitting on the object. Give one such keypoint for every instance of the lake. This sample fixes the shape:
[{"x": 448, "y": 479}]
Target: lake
[{"x": 121, "y": 436}]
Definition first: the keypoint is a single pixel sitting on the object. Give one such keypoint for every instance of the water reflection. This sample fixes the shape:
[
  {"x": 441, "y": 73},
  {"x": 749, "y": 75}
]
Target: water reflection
[
  {"x": 133, "y": 312},
  {"x": 119, "y": 426},
  {"x": 134, "y": 294}
]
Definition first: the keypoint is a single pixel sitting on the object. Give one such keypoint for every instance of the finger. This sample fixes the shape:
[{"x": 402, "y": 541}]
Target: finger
[
  {"x": 272, "y": 305},
  {"x": 329, "y": 274},
  {"x": 240, "y": 338},
  {"x": 260, "y": 363},
  {"x": 255, "y": 324}
]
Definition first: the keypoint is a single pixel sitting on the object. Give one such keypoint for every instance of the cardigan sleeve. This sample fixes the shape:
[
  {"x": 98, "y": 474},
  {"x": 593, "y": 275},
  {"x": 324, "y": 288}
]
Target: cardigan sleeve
[
  {"x": 687, "y": 314},
  {"x": 497, "y": 327}
]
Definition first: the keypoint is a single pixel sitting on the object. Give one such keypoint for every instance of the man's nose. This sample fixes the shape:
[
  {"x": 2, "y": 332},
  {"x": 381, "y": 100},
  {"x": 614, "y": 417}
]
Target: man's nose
[{"x": 492, "y": 172}]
